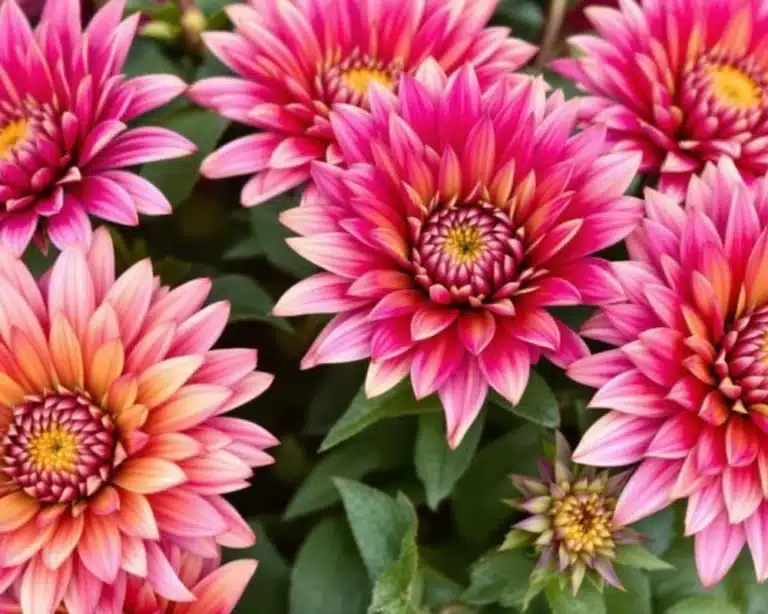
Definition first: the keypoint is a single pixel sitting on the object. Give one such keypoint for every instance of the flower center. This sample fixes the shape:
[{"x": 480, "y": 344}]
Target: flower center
[
  {"x": 347, "y": 81},
  {"x": 358, "y": 79},
  {"x": 11, "y": 134},
  {"x": 467, "y": 254},
  {"x": 584, "y": 522},
  {"x": 59, "y": 448},
  {"x": 735, "y": 86}
]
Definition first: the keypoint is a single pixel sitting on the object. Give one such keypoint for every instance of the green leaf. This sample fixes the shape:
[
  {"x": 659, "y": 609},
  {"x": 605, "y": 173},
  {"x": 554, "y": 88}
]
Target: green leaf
[
  {"x": 703, "y": 604},
  {"x": 268, "y": 590},
  {"x": 538, "y": 403},
  {"x": 398, "y": 589},
  {"x": 328, "y": 576},
  {"x": 439, "y": 467},
  {"x": 516, "y": 539},
  {"x": 177, "y": 178},
  {"x": 363, "y": 412},
  {"x": 658, "y": 529},
  {"x": 379, "y": 523},
  {"x": 438, "y": 588},
  {"x": 634, "y": 555},
  {"x": 636, "y": 599},
  {"x": 147, "y": 57},
  {"x": 562, "y": 601},
  {"x": 379, "y": 449},
  {"x": 478, "y": 507},
  {"x": 671, "y": 587},
  {"x": 271, "y": 235},
  {"x": 249, "y": 301},
  {"x": 499, "y": 576}
]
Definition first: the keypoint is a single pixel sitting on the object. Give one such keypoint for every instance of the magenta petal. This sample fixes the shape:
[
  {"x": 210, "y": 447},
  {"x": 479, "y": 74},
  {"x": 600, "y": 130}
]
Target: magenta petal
[
  {"x": 717, "y": 548},
  {"x": 462, "y": 396},
  {"x": 647, "y": 491},
  {"x": 615, "y": 440}
]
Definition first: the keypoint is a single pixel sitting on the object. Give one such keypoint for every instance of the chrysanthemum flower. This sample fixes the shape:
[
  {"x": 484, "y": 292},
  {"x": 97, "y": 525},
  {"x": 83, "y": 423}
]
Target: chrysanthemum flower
[
  {"x": 683, "y": 81},
  {"x": 462, "y": 217},
  {"x": 688, "y": 386},
  {"x": 113, "y": 444},
  {"x": 64, "y": 142},
  {"x": 216, "y": 589},
  {"x": 572, "y": 518},
  {"x": 297, "y": 58}
]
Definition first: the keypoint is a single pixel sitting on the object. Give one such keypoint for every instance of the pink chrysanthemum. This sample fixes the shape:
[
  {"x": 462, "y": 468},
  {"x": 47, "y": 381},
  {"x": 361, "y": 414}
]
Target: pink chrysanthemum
[
  {"x": 462, "y": 217},
  {"x": 688, "y": 386},
  {"x": 683, "y": 81},
  {"x": 64, "y": 142},
  {"x": 297, "y": 58},
  {"x": 113, "y": 444},
  {"x": 216, "y": 589}
]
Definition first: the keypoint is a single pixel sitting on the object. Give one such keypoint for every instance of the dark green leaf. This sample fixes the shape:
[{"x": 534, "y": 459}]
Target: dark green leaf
[
  {"x": 268, "y": 590},
  {"x": 439, "y": 589},
  {"x": 248, "y": 300},
  {"x": 271, "y": 235},
  {"x": 478, "y": 509},
  {"x": 658, "y": 529},
  {"x": 398, "y": 588},
  {"x": 538, "y": 403},
  {"x": 561, "y": 599},
  {"x": 636, "y": 599},
  {"x": 703, "y": 604},
  {"x": 363, "y": 412},
  {"x": 177, "y": 178},
  {"x": 379, "y": 523},
  {"x": 499, "y": 576},
  {"x": 380, "y": 448},
  {"x": 328, "y": 576},
  {"x": 439, "y": 467},
  {"x": 672, "y": 587},
  {"x": 635, "y": 555},
  {"x": 148, "y": 57}
]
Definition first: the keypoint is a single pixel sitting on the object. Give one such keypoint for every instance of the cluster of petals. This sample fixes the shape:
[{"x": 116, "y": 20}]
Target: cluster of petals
[
  {"x": 65, "y": 143},
  {"x": 216, "y": 588},
  {"x": 115, "y": 450},
  {"x": 683, "y": 81},
  {"x": 460, "y": 217},
  {"x": 687, "y": 385},
  {"x": 296, "y": 59}
]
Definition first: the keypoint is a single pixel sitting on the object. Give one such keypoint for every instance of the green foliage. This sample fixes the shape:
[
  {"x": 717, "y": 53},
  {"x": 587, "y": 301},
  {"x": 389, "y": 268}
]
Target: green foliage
[
  {"x": 439, "y": 467},
  {"x": 363, "y": 412},
  {"x": 538, "y": 403},
  {"x": 328, "y": 576}
]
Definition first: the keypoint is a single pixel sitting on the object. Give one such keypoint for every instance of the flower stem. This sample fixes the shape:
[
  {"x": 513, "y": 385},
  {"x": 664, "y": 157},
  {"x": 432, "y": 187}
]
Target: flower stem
[{"x": 557, "y": 12}]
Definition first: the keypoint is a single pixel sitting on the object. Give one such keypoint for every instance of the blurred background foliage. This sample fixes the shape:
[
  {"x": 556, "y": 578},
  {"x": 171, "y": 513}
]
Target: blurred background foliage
[{"x": 421, "y": 534}]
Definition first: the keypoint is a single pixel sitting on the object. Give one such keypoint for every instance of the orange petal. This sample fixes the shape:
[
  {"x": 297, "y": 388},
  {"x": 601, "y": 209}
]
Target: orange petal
[
  {"x": 135, "y": 517},
  {"x": 64, "y": 541},
  {"x": 122, "y": 393},
  {"x": 11, "y": 394},
  {"x": 220, "y": 590},
  {"x": 31, "y": 362},
  {"x": 66, "y": 353},
  {"x": 106, "y": 366},
  {"x": 15, "y": 510},
  {"x": 149, "y": 475},
  {"x": 160, "y": 381},
  {"x": 187, "y": 408}
]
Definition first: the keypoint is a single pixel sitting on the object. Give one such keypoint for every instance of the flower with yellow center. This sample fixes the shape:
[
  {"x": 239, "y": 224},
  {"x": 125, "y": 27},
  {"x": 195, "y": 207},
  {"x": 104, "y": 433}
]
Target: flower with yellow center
[
  {"x": 11, "y": 135},
  {"x": 572, "y": 518},
  {"x": 734, "y": 87},
  {"x": 358, "y": 79}
]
